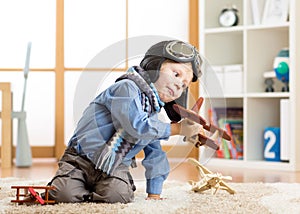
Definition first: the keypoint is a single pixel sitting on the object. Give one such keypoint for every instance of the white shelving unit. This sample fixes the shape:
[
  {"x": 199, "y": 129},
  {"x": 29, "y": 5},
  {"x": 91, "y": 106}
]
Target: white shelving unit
[{"x": 254, "y": 47}]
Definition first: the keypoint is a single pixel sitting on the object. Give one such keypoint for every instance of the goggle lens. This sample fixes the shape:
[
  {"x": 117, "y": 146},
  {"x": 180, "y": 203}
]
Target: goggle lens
[{"x": 182, "y": 52}]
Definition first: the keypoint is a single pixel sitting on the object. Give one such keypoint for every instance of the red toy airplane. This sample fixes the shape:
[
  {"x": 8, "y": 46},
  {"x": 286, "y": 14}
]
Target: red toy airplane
[
  {"x": 35, "y": 195},
  {"x": 193, "y": 115},
  {"x": 28, "y": 194}
]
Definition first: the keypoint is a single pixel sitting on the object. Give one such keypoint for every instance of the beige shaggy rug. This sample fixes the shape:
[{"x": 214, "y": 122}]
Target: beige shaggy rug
[{"x": 250, "y": 198}]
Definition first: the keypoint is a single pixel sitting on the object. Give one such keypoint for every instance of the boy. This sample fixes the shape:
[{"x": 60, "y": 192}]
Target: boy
[{"x": 123, "y": 120}]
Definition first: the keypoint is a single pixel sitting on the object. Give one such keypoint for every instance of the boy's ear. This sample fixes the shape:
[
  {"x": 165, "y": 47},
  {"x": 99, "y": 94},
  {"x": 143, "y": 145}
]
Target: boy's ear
[
  {"x": 182, "y": 101},
  {"x": 151, "y": 65}
]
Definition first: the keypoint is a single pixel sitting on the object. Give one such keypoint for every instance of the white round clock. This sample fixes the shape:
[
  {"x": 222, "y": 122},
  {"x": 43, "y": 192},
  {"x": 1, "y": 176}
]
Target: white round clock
[{"x": 228, "y": 17}]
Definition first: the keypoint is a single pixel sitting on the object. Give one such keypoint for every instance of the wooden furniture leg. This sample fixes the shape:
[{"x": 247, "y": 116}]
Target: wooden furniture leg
[{"x": 6, "y": 148}]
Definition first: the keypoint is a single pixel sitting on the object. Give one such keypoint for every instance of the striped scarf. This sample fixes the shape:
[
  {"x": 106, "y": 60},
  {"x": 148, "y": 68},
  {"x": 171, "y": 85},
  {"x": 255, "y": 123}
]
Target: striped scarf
[{"x": 111, "y": 154}]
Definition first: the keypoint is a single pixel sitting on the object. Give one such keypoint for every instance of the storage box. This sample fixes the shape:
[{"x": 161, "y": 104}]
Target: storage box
[
  {"x": 220, "y": 75},
  {"x": 211, "y": 83},
  {"x": 272, "y": 144},
  {"x": 233, "y": 79}
]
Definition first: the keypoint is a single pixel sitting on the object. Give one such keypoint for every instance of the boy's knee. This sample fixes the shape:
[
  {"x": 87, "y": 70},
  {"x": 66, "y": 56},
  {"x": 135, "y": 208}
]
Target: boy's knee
[
  {"x": 67, "y": 191},
  {"x": 65, "y": 196},
  {"x": 114, "y": 190},
  {"x": 125, "y": 196}
]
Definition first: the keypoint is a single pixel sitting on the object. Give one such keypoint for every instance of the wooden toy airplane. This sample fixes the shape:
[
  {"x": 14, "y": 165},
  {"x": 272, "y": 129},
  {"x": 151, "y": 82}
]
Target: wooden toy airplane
[
  {"x": 28, "y": 194},
  {"x": 193, "y": 115},
  {"x": 209, "y": 180}
]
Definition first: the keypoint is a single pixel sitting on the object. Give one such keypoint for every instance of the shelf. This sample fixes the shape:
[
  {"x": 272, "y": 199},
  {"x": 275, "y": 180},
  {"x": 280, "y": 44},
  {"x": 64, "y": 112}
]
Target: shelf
[
  {"x": 266, "y": 27},
  {"x": 284, "y": 166},
  {"x": 226, "y": 96},
  {"x": 268, "y": 95},
  {"x": 255, "y": 95},
  {"x": 233, "y": 95},
  {"x": 240, "y": 29},
  {"x": 255, "y": 47},
  {"x": 237, "y": 29}
]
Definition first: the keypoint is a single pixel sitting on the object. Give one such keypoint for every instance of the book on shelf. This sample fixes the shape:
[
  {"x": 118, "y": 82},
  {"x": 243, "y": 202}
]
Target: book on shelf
[
  {"x": 231, "y": 120},
  {"x": 231, "y": 143},
  {"x": 226, "y": 113},
  {"x": 236, "y": 133}
]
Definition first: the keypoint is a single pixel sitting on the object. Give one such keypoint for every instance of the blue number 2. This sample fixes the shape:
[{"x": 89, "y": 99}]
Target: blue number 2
[{"x": 271, "y": 137}]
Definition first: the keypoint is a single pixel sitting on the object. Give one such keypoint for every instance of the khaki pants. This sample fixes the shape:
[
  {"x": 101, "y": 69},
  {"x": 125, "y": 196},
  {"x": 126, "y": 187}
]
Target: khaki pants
[{"x": 77, "y": 180}]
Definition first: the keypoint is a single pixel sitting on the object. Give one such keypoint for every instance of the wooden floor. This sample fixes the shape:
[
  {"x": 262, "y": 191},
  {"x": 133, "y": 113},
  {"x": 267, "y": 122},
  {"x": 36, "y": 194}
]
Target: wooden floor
[{"x": 180, "y": 170}]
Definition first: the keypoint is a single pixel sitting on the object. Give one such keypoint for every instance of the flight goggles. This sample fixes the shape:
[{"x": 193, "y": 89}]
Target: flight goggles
[{"x": 183, "y": 52}]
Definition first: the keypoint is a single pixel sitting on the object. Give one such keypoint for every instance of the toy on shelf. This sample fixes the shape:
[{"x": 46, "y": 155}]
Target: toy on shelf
[
  {"x": 209, "y": 180},
  {"x": 29, "y": 195},
  {"x": 281, "y": 67},
  {"x": 201, "y": 139},
  {"x": 269, "y": 81},
  {"x": 280, "y": 71}
]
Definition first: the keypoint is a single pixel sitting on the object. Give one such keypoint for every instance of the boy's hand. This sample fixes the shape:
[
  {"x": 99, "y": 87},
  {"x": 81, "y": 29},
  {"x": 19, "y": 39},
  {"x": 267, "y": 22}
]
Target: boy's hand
[
  {"x": 154, "y": 197},
  {"x": 189, "y": 128}
]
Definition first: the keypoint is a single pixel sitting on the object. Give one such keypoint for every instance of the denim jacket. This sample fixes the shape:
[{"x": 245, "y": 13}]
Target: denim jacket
[{"x": 119, "y": 106}]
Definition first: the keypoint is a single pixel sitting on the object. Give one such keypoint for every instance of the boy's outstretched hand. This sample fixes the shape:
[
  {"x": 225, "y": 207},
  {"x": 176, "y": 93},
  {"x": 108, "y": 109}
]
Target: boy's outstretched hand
[{"x": 189, "y": 128}]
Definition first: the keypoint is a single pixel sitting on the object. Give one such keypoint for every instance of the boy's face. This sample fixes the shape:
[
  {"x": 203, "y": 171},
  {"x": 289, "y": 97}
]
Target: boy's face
[{"x": 173, "y": 79}]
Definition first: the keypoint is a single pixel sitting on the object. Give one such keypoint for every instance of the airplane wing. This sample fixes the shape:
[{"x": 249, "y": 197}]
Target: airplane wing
[
  {"x": 207, "y": 171},
  {"x": 227, "y": 188},
  {"x": 194, "y": 116},
  {"x": 197, "y": 105},
  {"x": 197, "y": 164},
  {"x": 201, "y": 189}
]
